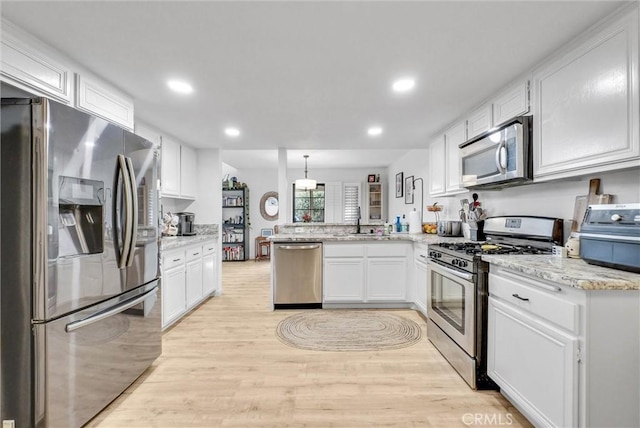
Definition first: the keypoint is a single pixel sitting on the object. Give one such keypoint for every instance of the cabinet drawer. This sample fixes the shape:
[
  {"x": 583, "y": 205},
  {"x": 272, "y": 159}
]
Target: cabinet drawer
[
  {"x": 344, "y": 250},
  {"x": 421, "y": 253},
  {"x": 173, "y": 259},
  {"x": 387, "y": 250},
  {"x": 209, "y": 248},
  {"x": 531, "y": 296},
  {"x": 194, "y": 253}
]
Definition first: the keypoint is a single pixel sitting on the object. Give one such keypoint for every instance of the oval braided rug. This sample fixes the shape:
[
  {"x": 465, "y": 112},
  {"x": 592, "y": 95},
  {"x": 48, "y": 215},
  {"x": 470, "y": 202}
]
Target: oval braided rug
[{"x": 347, "y": 330}]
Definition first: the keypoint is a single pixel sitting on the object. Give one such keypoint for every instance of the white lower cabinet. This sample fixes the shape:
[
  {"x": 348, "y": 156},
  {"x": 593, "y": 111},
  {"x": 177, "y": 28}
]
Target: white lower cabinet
[
  {"x": 362, "y": 273},
  {"x": 387, "y": 279},
  {"x": 194, "y": 276},
  {"x": 173, "y": 286},
  {"x": 565, "y": 357},
  {"x": 344, "y": 280},
  {"x": 188, "y": 277},
  {"x": 535, "y": 364},
  {"x": 420, "y": 257},
  {"x": 209, "y": 263}
]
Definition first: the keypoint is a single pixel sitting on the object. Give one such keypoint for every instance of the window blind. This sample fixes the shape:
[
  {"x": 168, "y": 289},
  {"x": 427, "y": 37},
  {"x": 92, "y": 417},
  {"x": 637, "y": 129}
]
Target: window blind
[{"x": 351, "y": 198}]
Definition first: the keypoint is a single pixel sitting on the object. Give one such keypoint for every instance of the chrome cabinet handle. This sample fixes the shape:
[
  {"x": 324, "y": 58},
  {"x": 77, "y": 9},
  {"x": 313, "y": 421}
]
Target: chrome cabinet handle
[{"x": 521, "y": 298}]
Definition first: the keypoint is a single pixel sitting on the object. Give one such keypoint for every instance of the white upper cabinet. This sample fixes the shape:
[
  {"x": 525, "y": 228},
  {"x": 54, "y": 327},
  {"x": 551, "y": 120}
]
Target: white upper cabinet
[
  {"x": 94, "y": 96},
  {"x": 512, "y": 102},
  {"x": 586, "y": 112},
  {"x": 188, "y": 172},
  {"x": 453, "y": 137},
  {"x": 179, "y": 170},
  {"x": 437, "y": 168},
  {"x": 444, "y": 162},
  {"x": 27, "y": 67},
  {"x": 479, "y": 121},
  {"x": 170, "y": 171}
]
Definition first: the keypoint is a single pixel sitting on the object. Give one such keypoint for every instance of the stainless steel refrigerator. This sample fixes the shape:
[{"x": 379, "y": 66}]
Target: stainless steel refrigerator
[{"x": 79, "y": 301}]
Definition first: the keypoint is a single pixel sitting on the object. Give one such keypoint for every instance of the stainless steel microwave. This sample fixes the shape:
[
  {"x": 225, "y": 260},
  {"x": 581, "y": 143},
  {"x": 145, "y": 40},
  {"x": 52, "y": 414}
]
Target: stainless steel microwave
[{"x": 499, "y": 157}]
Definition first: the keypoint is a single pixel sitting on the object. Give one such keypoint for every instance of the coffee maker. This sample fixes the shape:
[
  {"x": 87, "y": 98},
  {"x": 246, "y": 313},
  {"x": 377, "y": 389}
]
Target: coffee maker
[{"x": 186, "y": 224}]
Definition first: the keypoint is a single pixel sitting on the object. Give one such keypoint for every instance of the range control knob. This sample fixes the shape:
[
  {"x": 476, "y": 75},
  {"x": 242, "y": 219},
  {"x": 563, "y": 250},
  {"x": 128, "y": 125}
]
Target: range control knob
[
  {"x": 454, "y": 262},
  {"x": 616, "y": 217},
  {"x": 462, "y": 263}
]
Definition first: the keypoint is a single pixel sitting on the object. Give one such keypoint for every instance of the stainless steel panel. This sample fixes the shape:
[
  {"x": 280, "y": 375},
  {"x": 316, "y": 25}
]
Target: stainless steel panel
[
  {"x": 15, "y": 271},
  {"x": 89, "y": 358},
  {"x": 443, "y": 280},
  {"x": 298, "y": 273},
  {"x": 83, "y": 147},
  {"x": 144, "y": 160},
  {"x": 459, "y": 360}
]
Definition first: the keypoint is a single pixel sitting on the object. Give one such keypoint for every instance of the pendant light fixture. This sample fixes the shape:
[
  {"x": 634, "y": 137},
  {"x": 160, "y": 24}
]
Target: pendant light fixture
[{"x": 305, "y": 183}]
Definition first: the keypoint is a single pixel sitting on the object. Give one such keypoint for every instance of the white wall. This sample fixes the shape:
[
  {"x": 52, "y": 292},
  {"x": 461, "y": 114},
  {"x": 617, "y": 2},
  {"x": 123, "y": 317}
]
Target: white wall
[
  {"x": 555, "y": 199},
  {"x": 414, "y": 163}
]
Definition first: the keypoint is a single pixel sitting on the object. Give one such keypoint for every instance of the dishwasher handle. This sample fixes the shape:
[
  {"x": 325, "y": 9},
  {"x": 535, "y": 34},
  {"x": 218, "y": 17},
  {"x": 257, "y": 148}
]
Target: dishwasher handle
[{"x": 299, "y": 247}]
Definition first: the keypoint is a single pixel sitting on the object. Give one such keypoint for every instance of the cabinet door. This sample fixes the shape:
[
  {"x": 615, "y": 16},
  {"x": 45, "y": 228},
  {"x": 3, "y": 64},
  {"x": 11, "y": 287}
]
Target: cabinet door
[
  {"x": 170, "y": 174},
  {"x": 27, "y": 68},
  {"x": 587, "y": 105},
  {"x": 437, "y": 164},
  {"x": 209, "y": 278},
  {"x": 343, "y": 280},
  {"x": 173, "y": 295},
  {"x": 511, "y": 103},
  {"x": 194, "y": 282},
  {"x": 478, "y": 122},
  {"x": 96, "y": 97},
  {"x": 535, "y": 364},
  {"x": 375, "y": 203},
  {"x": 420, "y": 286},
  {"x": 453, "y": 138},
  {"x": 188, "y": 172},
  {"x": 386, "y": 279}
]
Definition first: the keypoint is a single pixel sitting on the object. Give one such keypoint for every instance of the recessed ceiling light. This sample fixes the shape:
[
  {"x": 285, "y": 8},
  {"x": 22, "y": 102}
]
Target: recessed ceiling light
[
  {"x": 404, "y": 85},
  {"x": 232, "y": 132},
  {"x": 374, "y": 131},
  {"x": 180, "y": 86}
]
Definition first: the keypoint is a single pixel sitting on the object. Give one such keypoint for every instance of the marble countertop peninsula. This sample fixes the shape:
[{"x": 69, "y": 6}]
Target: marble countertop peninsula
[
  {"x": 351, "y": 237},
  {"x": 567, "y": 271}
]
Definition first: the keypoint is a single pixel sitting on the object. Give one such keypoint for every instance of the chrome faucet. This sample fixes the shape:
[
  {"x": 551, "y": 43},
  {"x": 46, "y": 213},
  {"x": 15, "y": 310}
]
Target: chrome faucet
[{"x": 358, "y": 222}]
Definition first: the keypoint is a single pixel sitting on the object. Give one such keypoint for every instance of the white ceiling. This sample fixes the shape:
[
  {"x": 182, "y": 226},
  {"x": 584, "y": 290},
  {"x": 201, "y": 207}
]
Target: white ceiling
[{"x": 310, "y": 76}]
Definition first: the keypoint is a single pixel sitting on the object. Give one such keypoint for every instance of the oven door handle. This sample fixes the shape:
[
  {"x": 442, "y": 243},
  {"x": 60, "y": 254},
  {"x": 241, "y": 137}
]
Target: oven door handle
[{"x": 465, "y": 276}]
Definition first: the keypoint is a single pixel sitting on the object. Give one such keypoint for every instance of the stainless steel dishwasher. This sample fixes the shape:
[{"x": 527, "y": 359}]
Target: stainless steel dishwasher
[{"x": 297, "y": 275}]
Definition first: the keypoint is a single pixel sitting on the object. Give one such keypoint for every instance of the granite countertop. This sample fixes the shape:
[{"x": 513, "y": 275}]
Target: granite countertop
[
  {"x": 567, "y": 271},
  {"x": 173, "y": 242},
  {"x": 347, "y": 237}
]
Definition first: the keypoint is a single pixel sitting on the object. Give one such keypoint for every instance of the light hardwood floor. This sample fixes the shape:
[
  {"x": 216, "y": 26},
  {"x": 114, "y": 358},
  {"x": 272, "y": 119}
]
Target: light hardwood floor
[{"x": 222, "y": 366}]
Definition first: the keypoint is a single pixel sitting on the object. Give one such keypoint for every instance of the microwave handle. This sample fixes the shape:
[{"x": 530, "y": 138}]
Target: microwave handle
[{"x": 501, "y": 157}]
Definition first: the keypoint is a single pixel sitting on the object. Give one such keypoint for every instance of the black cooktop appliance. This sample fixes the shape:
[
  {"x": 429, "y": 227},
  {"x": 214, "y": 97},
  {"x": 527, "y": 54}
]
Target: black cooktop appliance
[
  {"x": 458, "y": 292},
  {"x": 610, "y": 236}
]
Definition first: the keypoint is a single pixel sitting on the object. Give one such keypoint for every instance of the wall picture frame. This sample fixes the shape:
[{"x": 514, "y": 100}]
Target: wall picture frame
[
  {"x": 371, "y": 178},
  {"x": 399, "y": 184},
  {"x": 408, "y": 190}
]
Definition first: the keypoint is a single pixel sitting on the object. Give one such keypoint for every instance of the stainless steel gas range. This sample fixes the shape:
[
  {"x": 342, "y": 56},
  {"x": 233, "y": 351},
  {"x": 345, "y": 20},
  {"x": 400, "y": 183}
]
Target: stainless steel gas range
[{"x": 457, "y": 297}]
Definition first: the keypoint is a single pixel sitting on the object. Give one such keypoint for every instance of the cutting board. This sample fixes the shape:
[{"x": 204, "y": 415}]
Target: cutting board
[{"x": 582, "y": 202}]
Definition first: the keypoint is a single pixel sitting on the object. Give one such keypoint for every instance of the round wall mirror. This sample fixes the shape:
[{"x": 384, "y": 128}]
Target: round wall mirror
[{"x": 269, "y": 206}]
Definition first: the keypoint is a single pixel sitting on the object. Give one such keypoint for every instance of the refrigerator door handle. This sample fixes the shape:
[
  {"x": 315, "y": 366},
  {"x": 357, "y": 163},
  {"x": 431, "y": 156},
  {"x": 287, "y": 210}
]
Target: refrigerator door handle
[
  {"x": 133, "y": 199},
  {"x": 128, "y": 216},
  {"x": 75, "y": 325}
]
